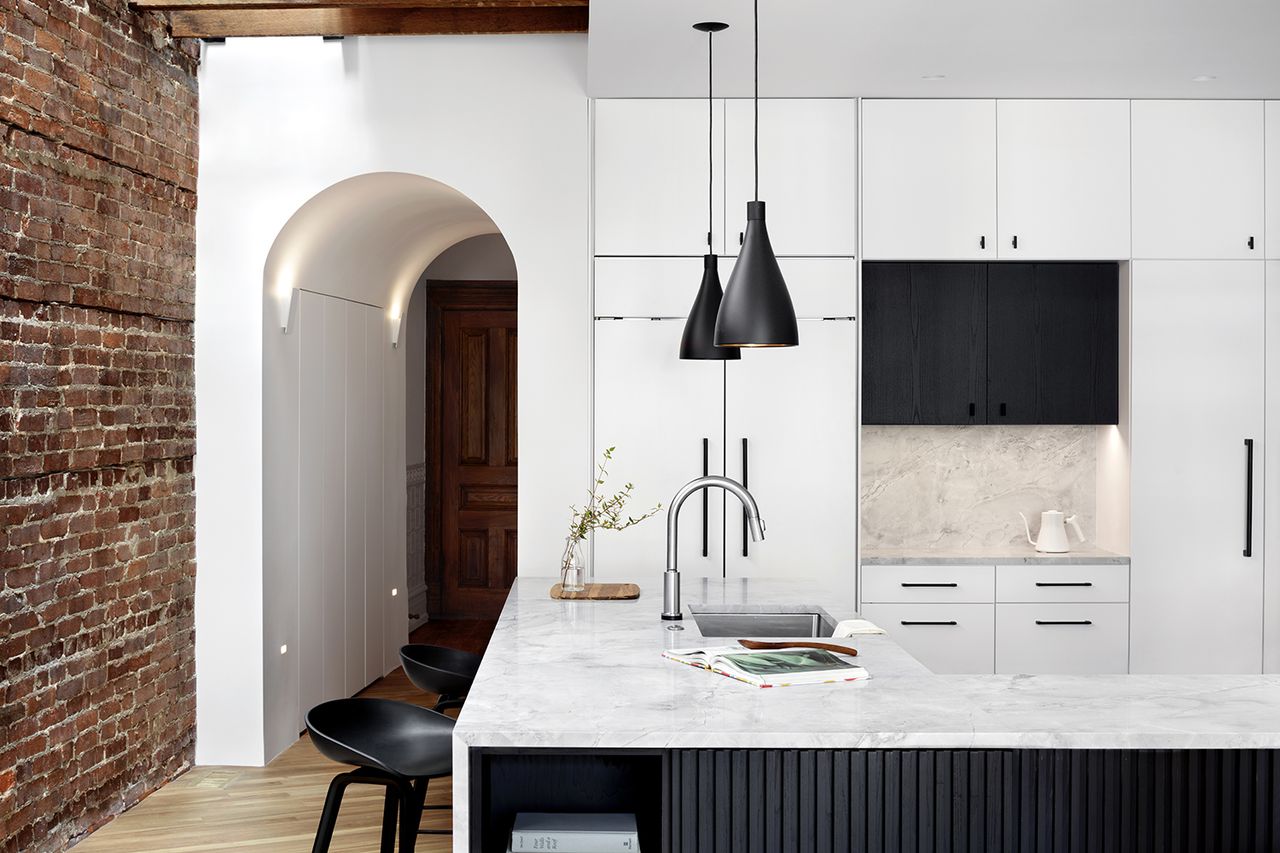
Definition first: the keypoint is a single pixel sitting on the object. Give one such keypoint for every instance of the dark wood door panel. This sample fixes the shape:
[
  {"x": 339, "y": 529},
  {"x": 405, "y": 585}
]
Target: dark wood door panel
[{"x": 473, "y": 422}]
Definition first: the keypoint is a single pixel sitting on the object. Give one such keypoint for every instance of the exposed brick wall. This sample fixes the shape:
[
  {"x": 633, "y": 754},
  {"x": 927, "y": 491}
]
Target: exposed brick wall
[{"x": 97, "y": 418}]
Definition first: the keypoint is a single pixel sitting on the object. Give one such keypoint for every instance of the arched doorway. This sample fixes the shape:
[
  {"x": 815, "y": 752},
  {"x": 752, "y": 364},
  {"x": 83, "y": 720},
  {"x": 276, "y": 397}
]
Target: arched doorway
[{"x": 337, "y": 282}]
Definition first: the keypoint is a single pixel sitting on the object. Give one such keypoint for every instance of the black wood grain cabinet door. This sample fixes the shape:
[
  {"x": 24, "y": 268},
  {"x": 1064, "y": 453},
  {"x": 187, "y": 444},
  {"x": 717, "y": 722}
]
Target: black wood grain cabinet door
[
  {"x": 1053, "y": 343},
  {"x": 924, "y": 343}
]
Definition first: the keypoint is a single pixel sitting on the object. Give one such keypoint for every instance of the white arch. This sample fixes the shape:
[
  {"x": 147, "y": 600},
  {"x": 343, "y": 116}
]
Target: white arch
[{"x": 368, "y": 239}]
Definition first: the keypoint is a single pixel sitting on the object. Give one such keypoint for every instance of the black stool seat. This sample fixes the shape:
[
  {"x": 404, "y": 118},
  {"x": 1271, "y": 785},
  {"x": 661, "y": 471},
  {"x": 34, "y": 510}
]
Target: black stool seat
[
  {"x": 397, "y": 737},
  {"x": 437, "y": 669},
  {"x": 393, "y": 744}
]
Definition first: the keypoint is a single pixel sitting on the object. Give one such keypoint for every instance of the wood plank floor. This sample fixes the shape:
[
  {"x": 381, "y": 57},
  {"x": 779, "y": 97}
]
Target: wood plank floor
[{"x": 274, "y": 809}]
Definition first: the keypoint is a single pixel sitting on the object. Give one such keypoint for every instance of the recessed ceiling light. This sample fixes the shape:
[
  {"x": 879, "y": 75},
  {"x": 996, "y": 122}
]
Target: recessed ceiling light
[
  {"x": 933, "y": 77},
  {"x": 1203, "y": 78}
]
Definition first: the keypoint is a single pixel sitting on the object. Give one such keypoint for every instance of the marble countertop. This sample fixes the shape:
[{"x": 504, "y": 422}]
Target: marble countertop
[
  {"x": 590, "y": 674},
  {"x": 1012, "y": 556}
]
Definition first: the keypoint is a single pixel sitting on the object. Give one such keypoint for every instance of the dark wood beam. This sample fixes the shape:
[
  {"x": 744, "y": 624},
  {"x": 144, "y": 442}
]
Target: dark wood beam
[
  {"x": 216, "y": 5},
  {"x": 376, "y": 21}
]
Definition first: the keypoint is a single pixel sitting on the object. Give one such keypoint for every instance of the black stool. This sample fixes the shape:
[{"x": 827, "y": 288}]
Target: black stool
[
  {"x": 437, "y": 669},
  {"x": 394, "y": 744}
]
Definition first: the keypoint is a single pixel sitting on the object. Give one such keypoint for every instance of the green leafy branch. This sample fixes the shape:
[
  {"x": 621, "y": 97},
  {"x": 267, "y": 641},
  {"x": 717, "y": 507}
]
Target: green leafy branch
[{"x": 601, "y": 512}]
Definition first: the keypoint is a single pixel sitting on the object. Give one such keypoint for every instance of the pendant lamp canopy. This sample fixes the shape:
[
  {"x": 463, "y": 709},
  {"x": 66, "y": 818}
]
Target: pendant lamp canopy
[
  {"x": 756, "y": 310},
  {"x": 698, "y": 341}
]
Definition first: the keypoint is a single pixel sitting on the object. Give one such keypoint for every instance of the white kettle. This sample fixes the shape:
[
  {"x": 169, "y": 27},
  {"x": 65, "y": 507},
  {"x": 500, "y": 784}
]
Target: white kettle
[{"x": 1053, "y": 532}]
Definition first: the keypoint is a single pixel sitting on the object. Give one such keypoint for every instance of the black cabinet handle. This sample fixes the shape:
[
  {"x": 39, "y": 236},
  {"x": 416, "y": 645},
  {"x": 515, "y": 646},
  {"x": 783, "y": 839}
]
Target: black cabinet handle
[
  {"x": 930, "y": 585},
  {"x": 1248, "y": 498},
  {"x": 982, "y": 242},
  {"x": 708, "y": 238},
  {"x": 1250, "y": 242},
  {"x": 1064, "y": 583},
  {"x": 1015, "y": 241},
  {"x": 741, "y": 237},
  {"x": 973, "y": 409},
  {"x": 1064, "y": 621},
  {"x": 706, "y": 453},
  {"x": 919, "y": 622},
  {"x": 1004, "y": 410},
  {"x": 744, "y": 509}
]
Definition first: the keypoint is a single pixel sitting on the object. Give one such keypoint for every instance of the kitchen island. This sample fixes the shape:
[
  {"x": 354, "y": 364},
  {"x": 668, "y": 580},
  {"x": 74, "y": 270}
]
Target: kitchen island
[{"x": 575, "y": 709}]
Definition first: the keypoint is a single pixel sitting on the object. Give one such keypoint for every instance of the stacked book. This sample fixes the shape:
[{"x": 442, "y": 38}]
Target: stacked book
[{"x": 574, "y": 833}]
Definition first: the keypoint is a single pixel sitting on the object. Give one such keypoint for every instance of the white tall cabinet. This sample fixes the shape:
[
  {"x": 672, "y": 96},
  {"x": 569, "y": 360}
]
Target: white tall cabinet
[{"x": 1198, "y": 353}]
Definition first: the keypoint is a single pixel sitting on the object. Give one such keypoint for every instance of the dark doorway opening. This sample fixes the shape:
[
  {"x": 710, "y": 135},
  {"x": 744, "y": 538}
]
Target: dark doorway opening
[{"x": 472, "y": 447}]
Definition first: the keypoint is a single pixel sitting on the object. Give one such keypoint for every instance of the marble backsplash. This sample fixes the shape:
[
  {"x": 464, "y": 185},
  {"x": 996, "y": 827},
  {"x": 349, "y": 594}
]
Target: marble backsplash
[{"x": 961, "y": 487}]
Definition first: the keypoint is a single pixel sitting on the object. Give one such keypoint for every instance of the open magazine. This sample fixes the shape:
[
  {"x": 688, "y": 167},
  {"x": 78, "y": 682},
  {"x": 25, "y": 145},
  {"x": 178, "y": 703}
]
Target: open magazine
[{"x": 773, "y": 668}]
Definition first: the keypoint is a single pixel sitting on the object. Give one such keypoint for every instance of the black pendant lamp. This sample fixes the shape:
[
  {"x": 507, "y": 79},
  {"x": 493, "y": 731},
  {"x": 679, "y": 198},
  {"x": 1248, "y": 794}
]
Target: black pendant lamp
[
  {"x": 756, "y": 310},
  {"x": 698, "y": 341}
]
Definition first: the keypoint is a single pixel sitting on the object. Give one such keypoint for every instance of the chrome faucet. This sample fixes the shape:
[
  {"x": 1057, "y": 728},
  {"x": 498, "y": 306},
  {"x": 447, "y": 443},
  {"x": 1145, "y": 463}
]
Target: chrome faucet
[{"x": 671, "y": 577}]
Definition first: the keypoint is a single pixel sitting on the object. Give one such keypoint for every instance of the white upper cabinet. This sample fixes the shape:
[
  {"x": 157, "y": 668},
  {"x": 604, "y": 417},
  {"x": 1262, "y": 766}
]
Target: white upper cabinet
[
  {"x": 808, "y": 174},
  {"x": 791, "y": 432},
  {"x": 1198, "y": 179},
  {"x": 1273, "y": 178},
  {"x": 929, "y": 179},
  {"x": 1063, "y": 179},
  {"x": 651, "y": 163}
]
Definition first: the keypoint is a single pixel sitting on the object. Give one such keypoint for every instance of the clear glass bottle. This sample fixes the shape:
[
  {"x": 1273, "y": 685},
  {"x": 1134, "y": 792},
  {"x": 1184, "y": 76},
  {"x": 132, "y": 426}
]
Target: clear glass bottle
[{"x": 573, "y": 567}]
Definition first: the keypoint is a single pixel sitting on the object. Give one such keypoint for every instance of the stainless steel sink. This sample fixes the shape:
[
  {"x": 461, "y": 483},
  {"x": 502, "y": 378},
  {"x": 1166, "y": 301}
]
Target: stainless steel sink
[{"x": 749, "y": 624}]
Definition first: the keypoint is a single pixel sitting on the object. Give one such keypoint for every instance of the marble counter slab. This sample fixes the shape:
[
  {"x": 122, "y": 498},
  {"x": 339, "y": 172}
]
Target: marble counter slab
[
  {"x": 589, "y": 674},
  {"x": 991, "y": 557}
]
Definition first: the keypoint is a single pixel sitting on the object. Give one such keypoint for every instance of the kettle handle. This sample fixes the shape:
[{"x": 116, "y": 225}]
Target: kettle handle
[
  {"x": 1076, "y": 526},
  {"x": 1027, "y": 525}
]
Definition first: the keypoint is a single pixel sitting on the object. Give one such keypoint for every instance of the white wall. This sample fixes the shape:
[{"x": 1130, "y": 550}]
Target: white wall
[{"x": 502, "y": 119}]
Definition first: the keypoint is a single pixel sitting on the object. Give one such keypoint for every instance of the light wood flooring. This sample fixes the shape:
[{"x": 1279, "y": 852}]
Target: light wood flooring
[{"x": 274, "y": 809}]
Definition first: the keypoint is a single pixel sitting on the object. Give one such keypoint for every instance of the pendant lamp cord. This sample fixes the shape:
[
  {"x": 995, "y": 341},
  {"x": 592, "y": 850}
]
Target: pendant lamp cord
[
  {"x": 756, "y": 98},
  {"x": 711, "y": 144}
]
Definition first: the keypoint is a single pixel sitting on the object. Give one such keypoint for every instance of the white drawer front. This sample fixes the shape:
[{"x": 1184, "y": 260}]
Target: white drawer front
[
  {"x": 975, "y": 584},
  {"x": 1062, "y": 583},
  {"x": 1069, "y": 639},
  {"x": 946, "y": 638}
]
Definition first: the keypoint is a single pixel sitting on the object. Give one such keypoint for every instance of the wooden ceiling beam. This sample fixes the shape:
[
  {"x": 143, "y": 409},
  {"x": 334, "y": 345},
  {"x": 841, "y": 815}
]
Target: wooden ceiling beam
[
  {"x": 376, "y": 21},
  {"x": 215, "y": 5}
]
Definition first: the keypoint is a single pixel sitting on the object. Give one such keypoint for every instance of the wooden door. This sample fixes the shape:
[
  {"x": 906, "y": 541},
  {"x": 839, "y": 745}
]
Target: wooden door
[
  {"x": 924, "y": 343},
  {"x": 1198, "y": 179},
  {"x": 1053, "y": 343},
  {"x": 1198, "y": 396},
  {"x": 472, "y": 447},
  {"x": 808, "y": 173},
  {"x": 929, "y": 189},
  {"x": 1064, "y": 179}
]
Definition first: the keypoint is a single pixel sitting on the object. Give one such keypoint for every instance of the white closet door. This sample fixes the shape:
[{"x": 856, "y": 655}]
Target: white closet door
[
  {"x": 377, "y": 536},
  {"x": 808, "y": 173},
  {"x": 1197, "y": 179},
  {"x": 1198, "y": 394},
  {"x": 333, "y": 484},
  {"x": 1271, "y": 489},
  {"x": 356, "y": 492},
  {"x": 657, "y": 410},
  {"x": 1064, "y": 179},
  {"x": 1272, "y": 132},
  {"x": 796, "y": 409},
  {"x": 928, "y": 179},
  {"x": 313, "y": 532},
  {"x": 651, "y": 161}
]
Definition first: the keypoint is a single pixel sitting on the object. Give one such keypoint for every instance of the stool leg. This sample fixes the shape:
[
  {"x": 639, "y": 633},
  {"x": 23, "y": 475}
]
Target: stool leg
[
  {"x": 410, "y": 815},
  {"x": 329, "y": 817},
  {"x": 390, "y": 806},
  {"x": 425, "y": 783}
]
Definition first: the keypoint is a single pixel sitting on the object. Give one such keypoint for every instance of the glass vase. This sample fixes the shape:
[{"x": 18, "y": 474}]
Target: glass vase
[{"x": 573, "y": 567}]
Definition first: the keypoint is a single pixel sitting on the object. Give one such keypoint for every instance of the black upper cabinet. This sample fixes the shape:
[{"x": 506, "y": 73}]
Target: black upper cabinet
[
  {"x": 1053, "y": 352},
  {"x": 954, "y": 343},
  {"x": 925, "y": 341}
]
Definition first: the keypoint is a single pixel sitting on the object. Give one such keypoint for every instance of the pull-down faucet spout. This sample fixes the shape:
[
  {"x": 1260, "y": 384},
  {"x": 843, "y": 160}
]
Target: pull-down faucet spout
[{"x": 671, "y": 577}]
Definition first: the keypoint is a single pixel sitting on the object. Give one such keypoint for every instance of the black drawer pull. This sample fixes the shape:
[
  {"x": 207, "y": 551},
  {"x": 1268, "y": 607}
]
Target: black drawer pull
[
  {"x": 1064, "y": 621},
  {"x": 931, "y": 585},
  {"x": 1015, "y": 241},
  {"x": 1250, "y": 242},
  {"x": 1064, "y": 583},
  {"x": 915, "y": 622},
  {"x": 982, "y": 242}
]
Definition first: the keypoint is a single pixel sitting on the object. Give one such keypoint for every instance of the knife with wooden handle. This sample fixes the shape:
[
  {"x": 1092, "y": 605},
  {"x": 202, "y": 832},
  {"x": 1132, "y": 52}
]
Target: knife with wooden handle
[{"x": 760, "y": 645}]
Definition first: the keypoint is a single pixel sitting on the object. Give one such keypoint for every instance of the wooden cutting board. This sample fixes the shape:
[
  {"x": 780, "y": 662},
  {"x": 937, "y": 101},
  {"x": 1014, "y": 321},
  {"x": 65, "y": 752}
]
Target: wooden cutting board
[{"x": 599, "y": 592}]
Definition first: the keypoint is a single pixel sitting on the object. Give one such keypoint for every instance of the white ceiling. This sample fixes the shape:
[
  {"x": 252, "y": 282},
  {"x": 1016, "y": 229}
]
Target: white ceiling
[{"x": 986, "y": 48}]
